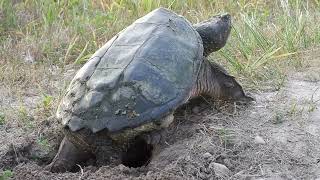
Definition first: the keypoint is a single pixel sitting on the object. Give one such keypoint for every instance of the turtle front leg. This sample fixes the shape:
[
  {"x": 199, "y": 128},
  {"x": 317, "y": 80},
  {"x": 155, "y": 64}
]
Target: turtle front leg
[{"x": 67, "y": 157}]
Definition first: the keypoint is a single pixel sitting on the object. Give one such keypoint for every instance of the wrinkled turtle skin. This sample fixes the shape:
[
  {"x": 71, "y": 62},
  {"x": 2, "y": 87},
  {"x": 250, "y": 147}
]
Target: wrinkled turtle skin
[{"x": 132, "y": 85}]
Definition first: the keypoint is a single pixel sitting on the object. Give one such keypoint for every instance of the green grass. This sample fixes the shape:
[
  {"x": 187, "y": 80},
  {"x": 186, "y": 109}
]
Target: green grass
[
  {"x": 43, "y": 142},
  {"x": 267, "y": 37},
  {"x": 25, "y": 117},
  {"x": 64, "y": 32},
  {"x": 2, "y": 119},
  {"x": 7, "y": 174}
]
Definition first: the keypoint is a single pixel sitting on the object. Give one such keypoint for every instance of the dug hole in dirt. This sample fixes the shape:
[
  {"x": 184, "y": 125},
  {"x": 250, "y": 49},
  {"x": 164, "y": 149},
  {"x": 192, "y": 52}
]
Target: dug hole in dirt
[{"x": 277, "y": 137}]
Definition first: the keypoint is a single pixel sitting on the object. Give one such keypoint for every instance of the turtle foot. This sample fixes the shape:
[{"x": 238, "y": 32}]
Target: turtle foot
[
  {"x": 67, "y": 158},
  {"x": 58, "y": 166},
  {"x": 153, "y": 138}
]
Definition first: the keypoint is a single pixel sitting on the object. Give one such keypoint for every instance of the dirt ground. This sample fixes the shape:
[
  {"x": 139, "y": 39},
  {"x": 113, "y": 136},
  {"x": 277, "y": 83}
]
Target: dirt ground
[{"x": 276, "y": 137}]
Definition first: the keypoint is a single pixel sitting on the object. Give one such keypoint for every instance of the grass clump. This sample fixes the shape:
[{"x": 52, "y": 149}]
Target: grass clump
[
  {"x": 2, "y": 119},
  {"x": 43, "y": 142},
  {"x": 7, "y": 174},
  {"x": 264, "y": 43},
  {"x": 25, "y": 117}
]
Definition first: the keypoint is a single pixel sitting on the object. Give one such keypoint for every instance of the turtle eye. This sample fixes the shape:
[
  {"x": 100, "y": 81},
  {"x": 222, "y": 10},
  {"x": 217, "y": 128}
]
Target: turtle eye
[{"x": 229, "y": 84}]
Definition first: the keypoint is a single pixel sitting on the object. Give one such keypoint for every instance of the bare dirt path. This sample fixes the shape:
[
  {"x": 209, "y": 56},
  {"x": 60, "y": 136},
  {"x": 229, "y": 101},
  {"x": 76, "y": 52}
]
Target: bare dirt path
[{"x": 277, "y": 137}]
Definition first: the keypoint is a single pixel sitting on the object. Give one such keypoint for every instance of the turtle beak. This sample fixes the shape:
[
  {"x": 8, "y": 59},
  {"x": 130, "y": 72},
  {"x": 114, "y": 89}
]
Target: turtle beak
[{"x": 224, "y": 17}]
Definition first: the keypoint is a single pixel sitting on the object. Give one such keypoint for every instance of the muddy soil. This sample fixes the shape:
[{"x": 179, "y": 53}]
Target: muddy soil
[{"x": 286, "y": 123}]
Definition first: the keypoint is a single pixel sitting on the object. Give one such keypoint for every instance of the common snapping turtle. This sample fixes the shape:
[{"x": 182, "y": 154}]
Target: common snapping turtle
[{"x": 125, "y": 95}]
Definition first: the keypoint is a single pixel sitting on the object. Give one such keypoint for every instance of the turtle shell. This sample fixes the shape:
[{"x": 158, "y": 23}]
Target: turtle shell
[{"x": 141, "y": 75}]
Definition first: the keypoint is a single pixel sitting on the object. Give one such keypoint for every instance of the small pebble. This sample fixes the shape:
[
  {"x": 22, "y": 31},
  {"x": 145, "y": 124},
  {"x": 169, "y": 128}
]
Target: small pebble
[
  {"x": 124, "y": 112},
  {"x": 259, "y": 140},
  {"x": 207, "y": 155},
  {"x": 122, "y": 168},
  {"x": 117, "y": 112},
  {"x": 220, "y": 170}
]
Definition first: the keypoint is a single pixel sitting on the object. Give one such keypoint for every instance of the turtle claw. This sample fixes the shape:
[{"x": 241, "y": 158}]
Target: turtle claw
[
  {"x": 58, "y": 166},
  {"x": 154, "y": 137}
]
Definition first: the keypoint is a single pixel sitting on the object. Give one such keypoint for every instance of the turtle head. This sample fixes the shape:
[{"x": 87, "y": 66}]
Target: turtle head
[
  {"x": 231, "y": 90},
  {"x": 214, "y": 80},
  {"x": 214, "y": 32}
]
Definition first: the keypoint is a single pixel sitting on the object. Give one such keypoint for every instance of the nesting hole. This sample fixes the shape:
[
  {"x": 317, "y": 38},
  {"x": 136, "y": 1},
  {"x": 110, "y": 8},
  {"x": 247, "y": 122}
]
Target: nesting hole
[{"x": 138, "y": 154}]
